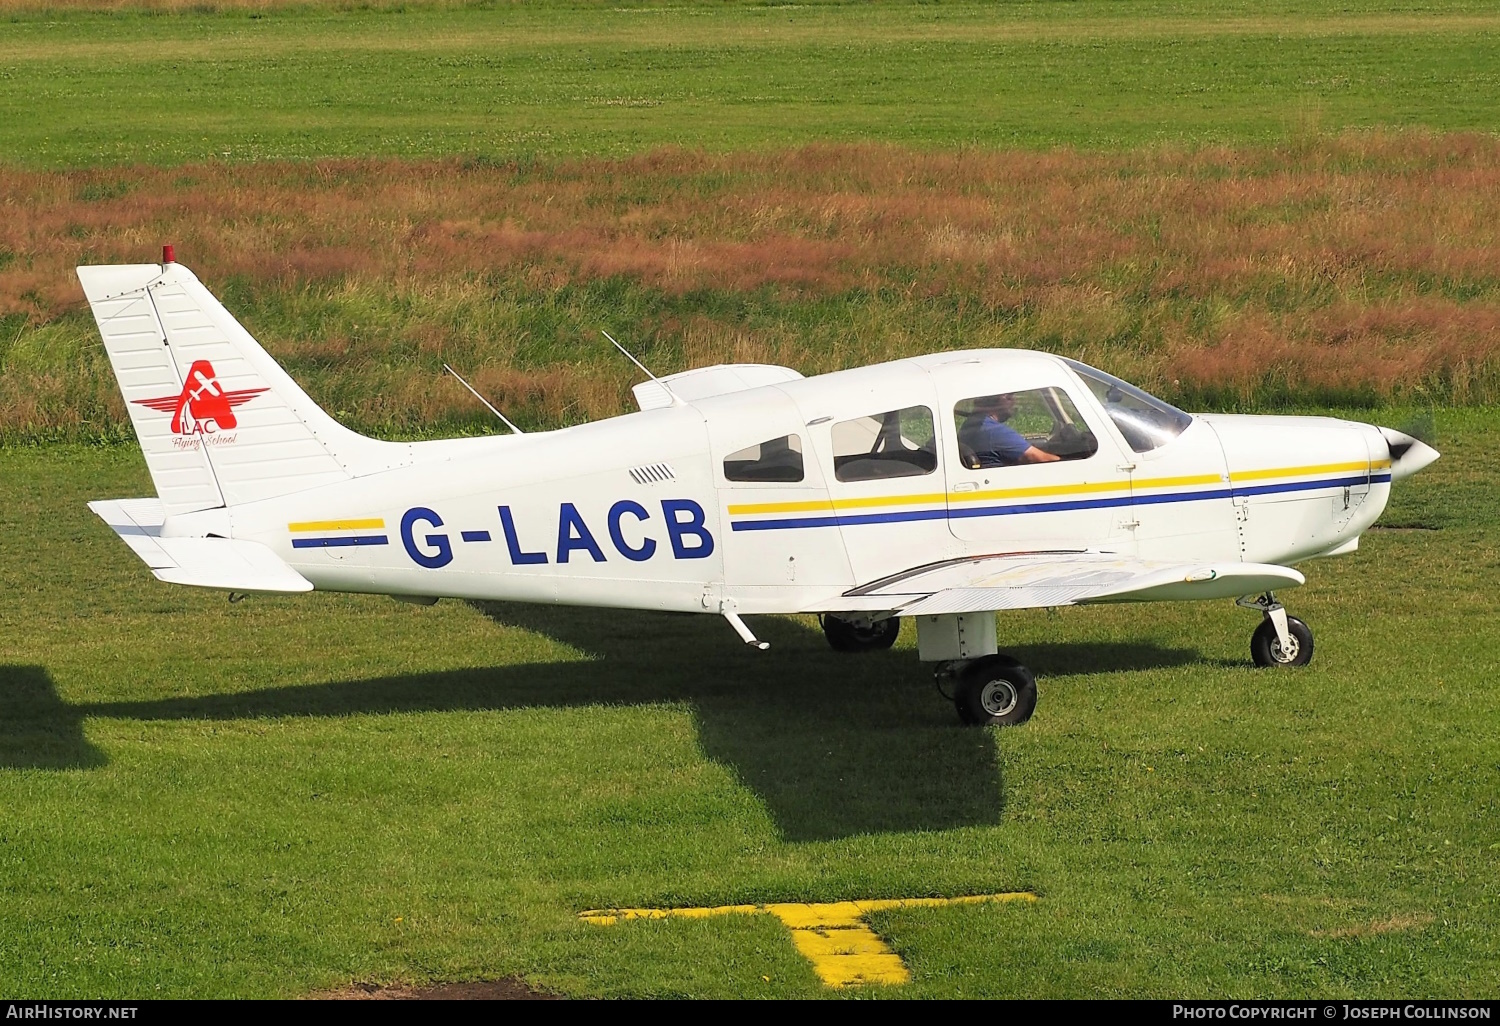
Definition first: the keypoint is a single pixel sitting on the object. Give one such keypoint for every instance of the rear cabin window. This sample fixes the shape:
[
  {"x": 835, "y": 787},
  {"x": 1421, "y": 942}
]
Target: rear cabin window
[
  {"x": 1000, "y": 430},
  {"x": 897, "y": 443},
  {"x": 776, "y": 459}
]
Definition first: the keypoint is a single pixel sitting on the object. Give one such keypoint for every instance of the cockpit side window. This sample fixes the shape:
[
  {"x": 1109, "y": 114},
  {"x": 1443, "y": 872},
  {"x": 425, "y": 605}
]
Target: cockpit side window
[
  {"x": 1039, "y": 425},
  {"x": 897, "y": 443},
  {"x": 1146, "y": 421},
  {"x": 776, "y": 459}
]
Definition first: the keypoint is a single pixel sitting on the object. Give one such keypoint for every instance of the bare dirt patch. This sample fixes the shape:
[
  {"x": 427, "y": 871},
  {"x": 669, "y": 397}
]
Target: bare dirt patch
[
  {"x": 1395, "y": 924},
  {"x": 510, "y": 988}
]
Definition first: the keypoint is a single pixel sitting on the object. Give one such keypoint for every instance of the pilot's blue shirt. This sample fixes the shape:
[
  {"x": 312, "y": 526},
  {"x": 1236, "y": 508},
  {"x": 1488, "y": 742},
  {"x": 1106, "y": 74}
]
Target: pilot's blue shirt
[{"x": 994, "y": 444}]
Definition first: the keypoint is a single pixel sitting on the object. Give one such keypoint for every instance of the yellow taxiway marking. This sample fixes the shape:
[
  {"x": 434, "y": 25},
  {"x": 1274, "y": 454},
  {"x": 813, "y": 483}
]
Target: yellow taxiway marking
[
  {"x": 335, "y": 525},
  {"x": 833, "y": 935}
]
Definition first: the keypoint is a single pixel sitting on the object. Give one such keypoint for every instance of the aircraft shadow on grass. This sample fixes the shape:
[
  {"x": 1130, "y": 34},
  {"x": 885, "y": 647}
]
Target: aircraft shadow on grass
[{"x": 835, "y": 745}]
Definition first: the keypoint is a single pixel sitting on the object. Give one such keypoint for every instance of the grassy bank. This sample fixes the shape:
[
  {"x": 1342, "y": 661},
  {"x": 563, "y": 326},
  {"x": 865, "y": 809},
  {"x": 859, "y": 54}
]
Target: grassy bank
[{"x": 1350, "y": 270}]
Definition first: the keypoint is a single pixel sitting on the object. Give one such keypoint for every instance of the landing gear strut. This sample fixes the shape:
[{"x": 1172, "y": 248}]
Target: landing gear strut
[
  {"x": 987, "y": 687},
  {"x": 1280, "y": 640}
]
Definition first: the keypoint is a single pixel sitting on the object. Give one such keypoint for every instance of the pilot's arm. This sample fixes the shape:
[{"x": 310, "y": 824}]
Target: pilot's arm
[
  {"x": 1035, "y": 455},
  {"x": 1000, "y": 445}
]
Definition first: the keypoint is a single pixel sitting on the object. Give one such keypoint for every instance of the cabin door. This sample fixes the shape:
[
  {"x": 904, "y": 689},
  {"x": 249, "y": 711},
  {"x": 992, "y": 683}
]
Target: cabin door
[{"x": 993, "y": 420}]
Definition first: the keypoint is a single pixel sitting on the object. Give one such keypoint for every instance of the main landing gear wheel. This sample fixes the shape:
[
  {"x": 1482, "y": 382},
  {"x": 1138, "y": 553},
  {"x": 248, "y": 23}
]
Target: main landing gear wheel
[
  {"x": 994, "y": 691},
  {"x": 860, "y": 636},
  {"x": 1266, "y": 648}
]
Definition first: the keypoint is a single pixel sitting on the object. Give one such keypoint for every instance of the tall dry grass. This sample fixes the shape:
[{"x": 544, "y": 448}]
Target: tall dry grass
[{"x": 1351, "y": 268}]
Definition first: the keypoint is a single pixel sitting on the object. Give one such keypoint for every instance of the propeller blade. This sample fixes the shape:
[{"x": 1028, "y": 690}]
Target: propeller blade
[{"x": 1408, "y": 454}]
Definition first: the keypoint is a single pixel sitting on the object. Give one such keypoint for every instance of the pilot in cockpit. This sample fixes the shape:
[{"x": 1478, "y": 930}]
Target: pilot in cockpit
[{"x": 993, "y": 442}]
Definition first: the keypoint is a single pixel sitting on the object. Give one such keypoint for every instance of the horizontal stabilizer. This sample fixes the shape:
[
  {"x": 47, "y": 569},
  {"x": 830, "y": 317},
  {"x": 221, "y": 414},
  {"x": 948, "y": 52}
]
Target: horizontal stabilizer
[
  {"x": 222, "y": 563},
  {"x": 1039, "y": 580}
]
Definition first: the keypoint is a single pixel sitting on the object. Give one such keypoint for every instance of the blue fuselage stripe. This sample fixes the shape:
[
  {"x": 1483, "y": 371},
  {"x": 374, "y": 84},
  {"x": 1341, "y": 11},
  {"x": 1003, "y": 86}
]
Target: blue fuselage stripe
[
  {"x": 1060, "y": 506},
  {"x": 340, "y": 542}
]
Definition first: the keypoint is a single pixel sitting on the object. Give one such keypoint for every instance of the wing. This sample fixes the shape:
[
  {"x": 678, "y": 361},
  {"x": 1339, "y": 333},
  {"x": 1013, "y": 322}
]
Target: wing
[{"x": 1033, "y": 580}]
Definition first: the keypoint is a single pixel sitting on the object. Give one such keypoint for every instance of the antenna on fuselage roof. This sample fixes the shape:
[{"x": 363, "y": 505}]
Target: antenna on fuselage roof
[
  {"x": 676, "y": 401},
  {"x": 482, "y": 399}
]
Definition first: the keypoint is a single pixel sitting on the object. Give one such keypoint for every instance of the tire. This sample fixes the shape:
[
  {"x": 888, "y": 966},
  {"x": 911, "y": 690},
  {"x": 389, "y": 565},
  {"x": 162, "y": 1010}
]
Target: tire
[
  {"x": 995, "y": 691},
  {"x": 846, "y": 636},
  {"x": 1265, "y": 647}
]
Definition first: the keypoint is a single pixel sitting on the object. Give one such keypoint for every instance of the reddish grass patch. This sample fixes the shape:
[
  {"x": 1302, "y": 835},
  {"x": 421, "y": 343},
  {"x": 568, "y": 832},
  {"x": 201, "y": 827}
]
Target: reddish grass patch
[{"x": 1362, "y": 265}]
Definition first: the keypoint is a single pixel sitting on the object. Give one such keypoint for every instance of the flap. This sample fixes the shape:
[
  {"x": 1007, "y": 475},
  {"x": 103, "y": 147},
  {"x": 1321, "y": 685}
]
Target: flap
[{"x": 1040, "y": 579}]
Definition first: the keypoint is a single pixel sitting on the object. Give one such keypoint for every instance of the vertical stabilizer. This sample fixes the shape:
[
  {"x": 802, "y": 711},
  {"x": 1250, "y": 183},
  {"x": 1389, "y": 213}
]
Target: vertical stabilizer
[{"x": 219, "y": 421}]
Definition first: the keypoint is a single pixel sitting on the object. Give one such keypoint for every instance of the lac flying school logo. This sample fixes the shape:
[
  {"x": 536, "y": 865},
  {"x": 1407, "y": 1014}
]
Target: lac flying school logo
[{"x": 203, "y": 407}]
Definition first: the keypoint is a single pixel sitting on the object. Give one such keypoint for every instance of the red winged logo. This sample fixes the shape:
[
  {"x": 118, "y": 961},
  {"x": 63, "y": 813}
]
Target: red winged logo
[{"x": 203, "y": 406}]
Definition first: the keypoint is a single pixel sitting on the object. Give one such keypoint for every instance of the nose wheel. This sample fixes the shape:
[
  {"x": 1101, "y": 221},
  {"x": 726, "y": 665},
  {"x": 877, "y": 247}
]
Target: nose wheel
[{"x": 1280, "y": 640}]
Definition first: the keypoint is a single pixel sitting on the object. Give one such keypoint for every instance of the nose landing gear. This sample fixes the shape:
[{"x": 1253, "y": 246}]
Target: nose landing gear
[{"x": 1280, "y": 640}]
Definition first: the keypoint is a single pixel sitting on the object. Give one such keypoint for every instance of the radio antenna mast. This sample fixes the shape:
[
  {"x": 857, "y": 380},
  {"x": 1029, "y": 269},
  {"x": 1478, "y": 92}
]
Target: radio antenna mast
[
  {"x": 482, "y": 399},
  {"x": 676, "y": 401}
]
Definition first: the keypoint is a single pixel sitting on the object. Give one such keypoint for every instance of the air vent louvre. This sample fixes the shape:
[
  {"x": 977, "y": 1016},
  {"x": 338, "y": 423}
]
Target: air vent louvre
[{"x": 652, "y": 473}]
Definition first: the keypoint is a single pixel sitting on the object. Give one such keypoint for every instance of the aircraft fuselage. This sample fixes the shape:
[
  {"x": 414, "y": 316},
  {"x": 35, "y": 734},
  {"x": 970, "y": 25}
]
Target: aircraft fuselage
[{"x": 640, "y": 511}]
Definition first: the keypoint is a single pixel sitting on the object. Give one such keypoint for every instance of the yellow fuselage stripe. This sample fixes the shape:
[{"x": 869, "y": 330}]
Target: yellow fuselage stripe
[
  {"x": 931, "y": 498},
  {"x": 334, "y": 525},
  {"x": 1321, "y": 468},
  {"x": 1093, "y": 487}
]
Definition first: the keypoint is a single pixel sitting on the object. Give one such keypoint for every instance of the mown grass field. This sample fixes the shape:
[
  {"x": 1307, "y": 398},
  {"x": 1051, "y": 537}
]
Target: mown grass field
[
  {"x": 1239, "y": 204},
  {"x": 287, "y": 795},
  {"x": 556, "y": 79}
]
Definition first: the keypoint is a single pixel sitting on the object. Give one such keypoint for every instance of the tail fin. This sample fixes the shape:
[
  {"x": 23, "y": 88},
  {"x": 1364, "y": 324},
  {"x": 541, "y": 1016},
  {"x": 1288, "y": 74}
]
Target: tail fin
[{"x": 219, "y": 421}]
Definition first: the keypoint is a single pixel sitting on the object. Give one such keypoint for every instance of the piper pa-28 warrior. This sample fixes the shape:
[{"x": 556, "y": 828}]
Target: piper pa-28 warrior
[{"x": 940, "y": 489}]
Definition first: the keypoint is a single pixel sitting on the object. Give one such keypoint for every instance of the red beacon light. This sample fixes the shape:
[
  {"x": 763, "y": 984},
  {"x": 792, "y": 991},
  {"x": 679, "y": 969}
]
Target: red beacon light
[{"x": 168, "y": 255}]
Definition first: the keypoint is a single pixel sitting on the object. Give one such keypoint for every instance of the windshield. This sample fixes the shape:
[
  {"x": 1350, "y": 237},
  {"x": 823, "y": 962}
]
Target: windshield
[{"x": 1146, "y": 421}]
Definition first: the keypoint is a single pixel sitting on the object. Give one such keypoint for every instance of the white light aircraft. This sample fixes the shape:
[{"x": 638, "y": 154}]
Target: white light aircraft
[{"x": 939, "y": 489}]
